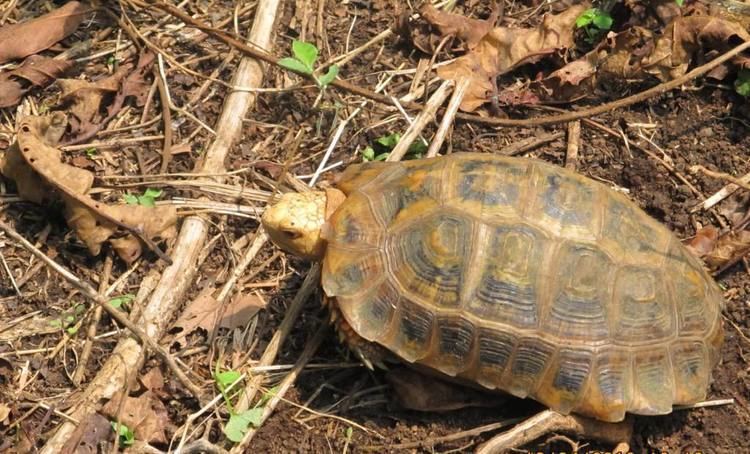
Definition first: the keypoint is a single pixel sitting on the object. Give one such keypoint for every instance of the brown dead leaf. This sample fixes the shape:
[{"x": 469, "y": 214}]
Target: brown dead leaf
[
  {"x": 88, "y": 435},
  {"x": 686, "y": 39},
  {"x": 35, "y": 71},
  {"x": 199, "y": 313},
  {"x": 241, "y": 309},
  {"x": 205, "y": 312},
  {"x": 4, "y": 413},
  {"x": 41, "y": 177},
  {"x": 145, "y": 415},
  {"x": 153, "y": 381},
  {"x": 704, "y": 241},
  {"x": 729, "y": 247},
  {"x": 30, "y": 37},
  {"x": 464, "y": 28},
  {"x": 505, "y": 48},
  {"x": 94, "y": 104}
]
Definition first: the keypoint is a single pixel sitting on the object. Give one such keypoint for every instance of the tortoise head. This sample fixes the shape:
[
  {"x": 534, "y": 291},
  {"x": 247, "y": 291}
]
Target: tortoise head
[{"x": 295, "y": 221}]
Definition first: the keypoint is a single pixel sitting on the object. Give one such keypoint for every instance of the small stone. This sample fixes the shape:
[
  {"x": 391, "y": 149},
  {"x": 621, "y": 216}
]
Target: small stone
[{"x": 706, "y": 132}]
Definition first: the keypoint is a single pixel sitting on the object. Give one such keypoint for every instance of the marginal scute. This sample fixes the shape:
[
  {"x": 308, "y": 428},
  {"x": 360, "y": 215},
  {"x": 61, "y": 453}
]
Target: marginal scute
[
  {"x": 531, "y": 359},
  {"x": 523, "y": 277}
]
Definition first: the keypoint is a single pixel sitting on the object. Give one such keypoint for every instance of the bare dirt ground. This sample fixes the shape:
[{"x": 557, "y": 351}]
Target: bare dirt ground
[{"x": 335, "y": 404}]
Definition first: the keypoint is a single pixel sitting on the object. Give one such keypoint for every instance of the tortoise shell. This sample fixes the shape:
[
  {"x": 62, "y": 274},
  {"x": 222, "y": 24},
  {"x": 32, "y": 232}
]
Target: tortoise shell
[{"x": 525, "y": 277}]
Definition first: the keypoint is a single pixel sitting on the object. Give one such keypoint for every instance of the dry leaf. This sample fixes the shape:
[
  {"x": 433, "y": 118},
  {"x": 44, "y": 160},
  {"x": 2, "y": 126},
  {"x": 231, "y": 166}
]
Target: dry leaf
[
  {"x": 199, "y": 313},
  {"x": 204, "y": 312},
  {"x": 704, "y": 241},
  {"x": 505, "y": 48},
  {"x": 41, "y": 177},
  {"x": 728, "y": 249},
  {"x": 30, "y": 37},
  {"x": 464, "y": 28},
  {"x": 94, "y": 104},
  {"x": 35, "y": 71},
  {"x": 153, "y": 381},
  {"x": 4, "y": 413},
  {"x": 145, "y": 415},
  {"x": 88, "y": 435},
  {"x": 241, "y": 309}
]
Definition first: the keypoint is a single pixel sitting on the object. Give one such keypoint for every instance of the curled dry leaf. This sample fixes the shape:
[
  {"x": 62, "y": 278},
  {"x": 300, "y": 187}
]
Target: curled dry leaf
[
  {"x": 30, "y": 37},
  {"x": 505, "y": 48},
  {"x": 471, "y": 31},
  {"x": 145, "y": 415},
  {"x": 42, "y": 177},
  {"x": 35, "y": 71}
]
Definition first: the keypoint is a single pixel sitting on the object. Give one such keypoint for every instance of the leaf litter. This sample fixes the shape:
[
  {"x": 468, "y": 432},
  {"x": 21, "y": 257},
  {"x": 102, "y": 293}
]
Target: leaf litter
[{"x": 43, "y": 178}]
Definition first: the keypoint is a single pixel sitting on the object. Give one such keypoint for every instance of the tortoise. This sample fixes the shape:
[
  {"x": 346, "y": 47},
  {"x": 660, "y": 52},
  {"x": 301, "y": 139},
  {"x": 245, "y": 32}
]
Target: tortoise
[{"x": 513, "y": 274}]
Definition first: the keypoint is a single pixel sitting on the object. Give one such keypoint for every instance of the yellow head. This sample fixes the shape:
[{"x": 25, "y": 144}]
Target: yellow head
[{"x": 295, "y": 221}]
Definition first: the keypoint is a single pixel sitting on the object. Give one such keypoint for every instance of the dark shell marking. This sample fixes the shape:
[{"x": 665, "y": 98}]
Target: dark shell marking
[{"x": 524, "y": 277}]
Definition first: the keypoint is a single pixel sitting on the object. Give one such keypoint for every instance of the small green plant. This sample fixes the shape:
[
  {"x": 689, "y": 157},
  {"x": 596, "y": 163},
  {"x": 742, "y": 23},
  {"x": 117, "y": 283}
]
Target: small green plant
[
  {"x": 239, "y": 423},
  {"x": 127, "y": 437},
  {"x": 303, "y": 61},
  {"x": 679, "y": 2},
  {"x": 90, "y": 152},
  {"x": 742, "y": 83},
  {"x": 382, "y": 147},
  {"x": 118, "y": 301},
  {"x": 594, "y": 22},
  {"x": 68, "y": 319},
  {"x": 147, "y": 199}
]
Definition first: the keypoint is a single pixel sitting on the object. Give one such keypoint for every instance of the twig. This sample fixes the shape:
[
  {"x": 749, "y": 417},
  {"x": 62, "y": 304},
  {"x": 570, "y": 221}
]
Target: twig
[
  {"x": 720, "y": 195},
  {"x": 116, "y": 314},
  {"x": 531, "y": 143},
  {"x": 721, "y": 176},
  {"x": 166, "y": 113},
  {"x": 424, "y": 117},
  {"x": 574, "y": 142},
  {"x": 448, "y": 118},
  {"x": 550, "y": 421}
]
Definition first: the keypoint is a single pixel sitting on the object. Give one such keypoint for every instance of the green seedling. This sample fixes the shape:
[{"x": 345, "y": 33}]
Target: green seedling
[
  {"x": 68, "y": 319},
  {"x": 119, "y": 301},
  {"x": 147, "y": 199},
  {"x": 90, "y": 152},
  {"x": 594, "y": 22},
  {"x": 304, "y": 56},
  {"x": 679, "y": 2},
  {"x": 382, "y": 147},
  {"x": 239, "y": 423},
  {"x": 742, "y": 83},
  {"x": 127, "y": 437}
]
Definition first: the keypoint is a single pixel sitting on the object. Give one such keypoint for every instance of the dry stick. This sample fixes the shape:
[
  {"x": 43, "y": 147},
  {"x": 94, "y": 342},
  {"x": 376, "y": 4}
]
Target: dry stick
[
  {"x": 549, "y": 421},
  {"x": 177, "y": 278},
  {"x": 285, "y": 384},
  {"x": 166, "y": 114},
  {"x": 116, "y": 314},
  {"x": 269, "y": 355},
  {"x": 531, "y": 143},
  {"x": 721, "y": 194},
  {"x": 539, "y": 121},
  {"x": 448, "y": 117},
  {"x": 723, "y": 176},
  {"x": 424, "y": 117},
  {"x": 574, "y": 142},
  {"x": 91, "y": 332}
]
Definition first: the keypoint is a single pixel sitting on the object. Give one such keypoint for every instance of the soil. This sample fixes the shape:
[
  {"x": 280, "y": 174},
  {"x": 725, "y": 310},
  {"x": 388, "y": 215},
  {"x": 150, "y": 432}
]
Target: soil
[{"x": 704, "y": 124}]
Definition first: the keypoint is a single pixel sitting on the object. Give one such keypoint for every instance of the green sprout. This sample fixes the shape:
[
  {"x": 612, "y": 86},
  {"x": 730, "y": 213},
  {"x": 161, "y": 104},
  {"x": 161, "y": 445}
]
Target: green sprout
[
  {"x": 303, "y": 61},
  {"x": 742, "y": 83},
  {"x": 382, "y": 147},
  {"x": 127, "y": 437},
  {"x": 147, "y": 199},
  {"x": 594, "y": 22}
]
